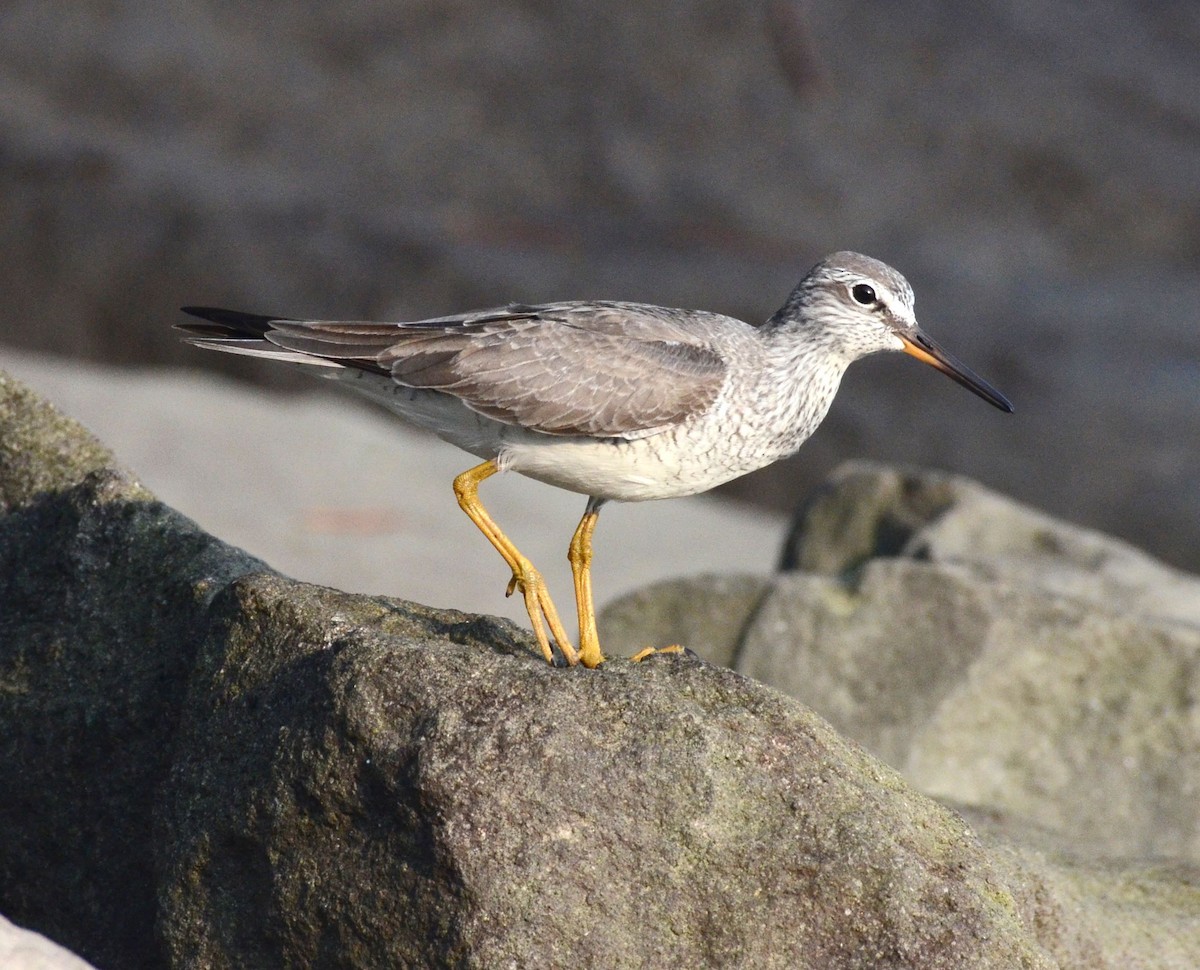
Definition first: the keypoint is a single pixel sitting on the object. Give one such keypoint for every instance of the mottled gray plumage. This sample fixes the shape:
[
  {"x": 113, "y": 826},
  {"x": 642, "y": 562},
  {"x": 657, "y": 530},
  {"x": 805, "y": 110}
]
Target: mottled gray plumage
[
  {"x": 614, "y": 400},
  {"x": 508, "y": 364}
]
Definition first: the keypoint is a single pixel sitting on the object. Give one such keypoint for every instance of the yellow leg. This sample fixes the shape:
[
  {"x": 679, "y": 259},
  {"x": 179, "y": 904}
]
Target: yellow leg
[
  {"x": 525, "y": 578},
  {"x": 580, "y": 557}
]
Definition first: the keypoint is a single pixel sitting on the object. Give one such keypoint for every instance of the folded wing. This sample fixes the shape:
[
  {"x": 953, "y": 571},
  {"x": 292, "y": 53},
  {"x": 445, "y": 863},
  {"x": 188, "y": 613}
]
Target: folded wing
[{"x": 600, "y": 369}]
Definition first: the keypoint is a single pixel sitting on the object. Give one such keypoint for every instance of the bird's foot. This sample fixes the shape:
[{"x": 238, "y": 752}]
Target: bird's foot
[
  {"x": 529, "y": 581},
  {"x": 675, "y": 648}
]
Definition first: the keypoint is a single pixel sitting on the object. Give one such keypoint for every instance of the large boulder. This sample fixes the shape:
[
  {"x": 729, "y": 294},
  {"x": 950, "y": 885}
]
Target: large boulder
[
  {"x": 354, "y": 779},
  {"x": 213, "y": 765},
  {"x": 866, "y": 510},
  {"x": 996, "y": 656},
  {"x": 102, "y": 590}
]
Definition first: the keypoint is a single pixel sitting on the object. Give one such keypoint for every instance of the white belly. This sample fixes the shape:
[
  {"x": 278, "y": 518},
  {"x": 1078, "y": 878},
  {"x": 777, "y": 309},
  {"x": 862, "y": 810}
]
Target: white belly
[
  {"x": 662, "y": 466},
  {"x": 687, "y": 459}
]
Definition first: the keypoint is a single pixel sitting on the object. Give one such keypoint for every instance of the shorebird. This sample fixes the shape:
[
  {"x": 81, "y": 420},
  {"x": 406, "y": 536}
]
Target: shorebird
[{"x": 615, "y": 401}]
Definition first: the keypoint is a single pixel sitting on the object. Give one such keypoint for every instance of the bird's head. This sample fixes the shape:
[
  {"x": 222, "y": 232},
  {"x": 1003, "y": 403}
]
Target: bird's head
[{"x": 862, "y": 306}]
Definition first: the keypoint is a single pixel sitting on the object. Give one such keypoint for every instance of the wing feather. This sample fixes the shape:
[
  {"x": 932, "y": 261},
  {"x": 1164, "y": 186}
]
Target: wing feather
[
  {"x": 607, "y": 370},
  {"x": 600, "y": 369}
]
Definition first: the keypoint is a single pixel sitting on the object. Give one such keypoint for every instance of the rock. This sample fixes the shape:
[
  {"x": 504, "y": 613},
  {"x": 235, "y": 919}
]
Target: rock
[
  {"x": 397, "y": 796},
  {"x": 866, "y": 510},
  {"x": 41, "y": 451},
  {"x": 1096, "y": 913},
  {"x": 379, "y": 804},
  {"x": 102, "y": 589},
  {"x": 707, "y": 614},
  {"x": 1000, "y": 696},
  {"x": 218, "y": 766},
  {"x": 998, "y": 657},
  {"x": 24, "y": 950}
]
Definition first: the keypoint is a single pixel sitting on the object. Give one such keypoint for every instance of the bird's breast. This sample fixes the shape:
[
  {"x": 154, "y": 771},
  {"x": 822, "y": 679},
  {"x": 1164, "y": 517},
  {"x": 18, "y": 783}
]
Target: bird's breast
[{"x": 693, "y": 457}]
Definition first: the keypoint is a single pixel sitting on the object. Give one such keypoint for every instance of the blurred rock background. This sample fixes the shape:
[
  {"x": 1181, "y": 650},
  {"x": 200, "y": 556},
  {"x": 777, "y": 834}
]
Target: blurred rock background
[{"x": 1032, "y": 169}]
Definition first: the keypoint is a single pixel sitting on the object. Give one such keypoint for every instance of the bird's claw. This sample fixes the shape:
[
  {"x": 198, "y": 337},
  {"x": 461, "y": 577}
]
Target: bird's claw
[{"x": 675, "y": 648}]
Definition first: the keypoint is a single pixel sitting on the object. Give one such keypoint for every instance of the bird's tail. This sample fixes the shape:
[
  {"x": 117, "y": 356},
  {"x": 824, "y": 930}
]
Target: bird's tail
[
  {"x": 235, "y": 332},
  {"x": 226, "y": 324}
]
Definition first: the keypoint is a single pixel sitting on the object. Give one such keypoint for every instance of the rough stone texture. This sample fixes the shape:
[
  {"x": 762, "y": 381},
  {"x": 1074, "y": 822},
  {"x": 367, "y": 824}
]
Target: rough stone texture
[
  {"x": 865, "y": 509},
  {"x": 41, "y": 450},
  {"x": 400, "y": 796},
  {"x": 996, "y": 656},
  {"x": 1030, "y": 166},
  {"x": 102, "y": 590},
  {"x": 1093, "y": 913},
  {"x": 1002, "y": 696},
  {"x": 712, "y": 624},
  {"x": 24, "y": 950},
  {"x": 216, "y": 766}
]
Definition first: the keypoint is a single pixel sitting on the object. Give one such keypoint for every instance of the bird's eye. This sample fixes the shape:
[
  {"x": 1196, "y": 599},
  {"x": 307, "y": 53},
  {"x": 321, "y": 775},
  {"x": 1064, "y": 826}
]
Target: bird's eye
[{"x": 863, "y": 294}]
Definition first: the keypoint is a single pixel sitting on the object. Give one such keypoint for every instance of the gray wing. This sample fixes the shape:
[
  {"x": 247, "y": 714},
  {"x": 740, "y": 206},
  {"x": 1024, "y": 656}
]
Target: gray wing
[{"x": 600, "y": 369}]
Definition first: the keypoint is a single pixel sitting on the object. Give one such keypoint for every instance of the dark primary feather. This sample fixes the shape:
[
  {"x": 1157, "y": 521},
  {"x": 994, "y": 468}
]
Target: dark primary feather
[
  {"x": 226, "y": 323},
  {"x": 600, "y": 369}
]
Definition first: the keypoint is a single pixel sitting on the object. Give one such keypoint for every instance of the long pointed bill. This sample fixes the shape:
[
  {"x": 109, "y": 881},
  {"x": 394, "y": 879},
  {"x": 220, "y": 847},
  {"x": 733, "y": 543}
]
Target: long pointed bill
[{"x": 924, "y": 349}]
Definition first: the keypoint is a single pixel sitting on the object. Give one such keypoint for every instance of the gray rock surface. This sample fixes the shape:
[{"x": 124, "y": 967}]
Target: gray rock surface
[
  {"x": 1030, "y": 167},
  {"x": 218, "y": 766},
  {"x": 377, "y": 806},
  {"x": 708, "y": 614},
  {"x": 998, "y": 657},
  {"x": 102, "y": 589},
  {"x": 1000, "y": 696},
  {"x": 866, "y": 509}
]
